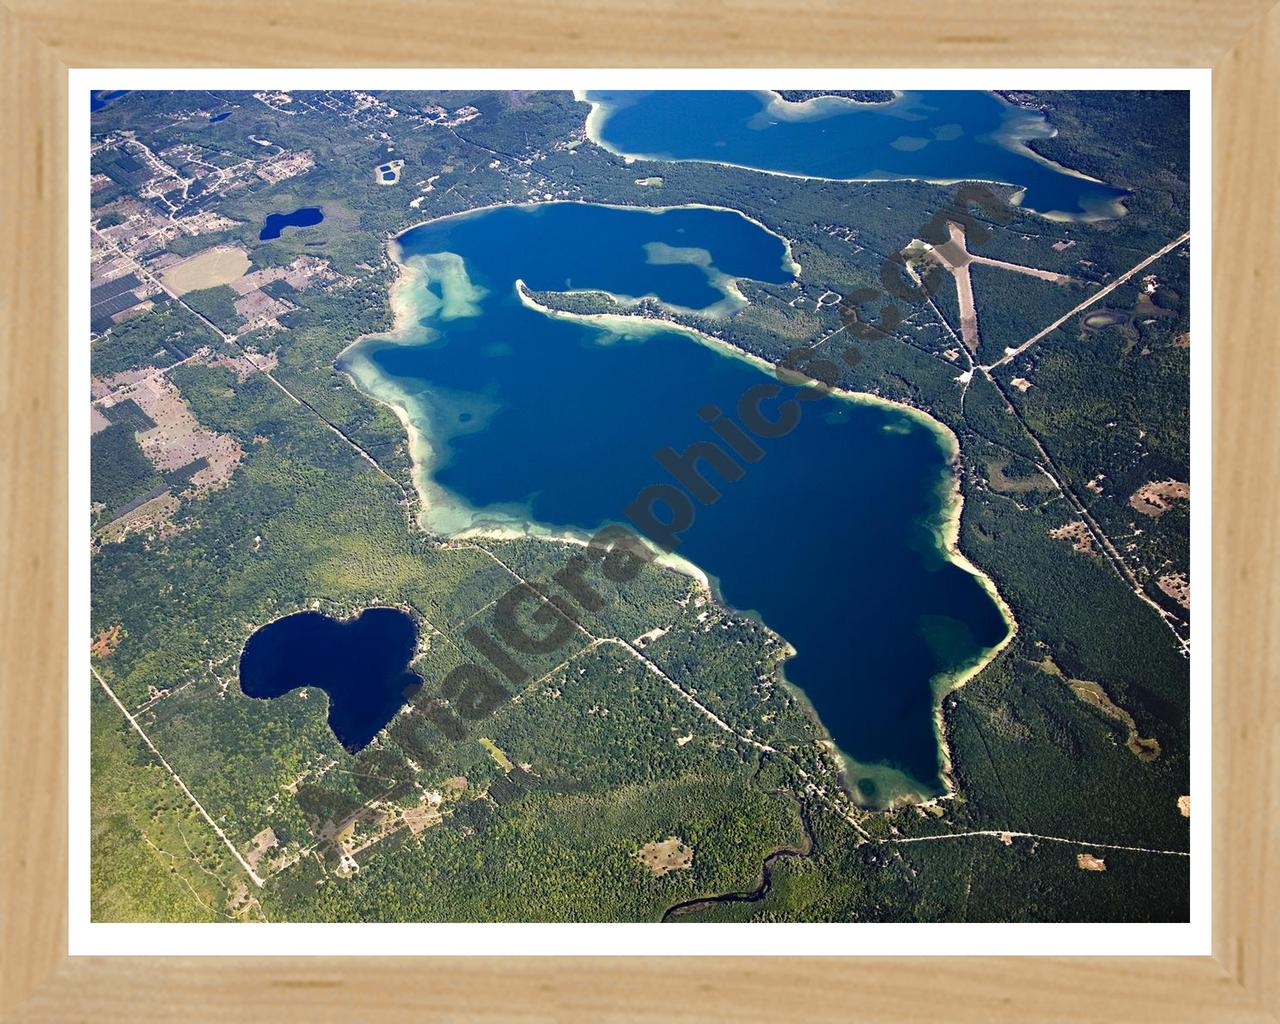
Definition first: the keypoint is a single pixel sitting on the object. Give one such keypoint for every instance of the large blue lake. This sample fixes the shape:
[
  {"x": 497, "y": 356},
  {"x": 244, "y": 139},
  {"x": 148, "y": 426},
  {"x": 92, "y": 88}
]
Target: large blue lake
[
  {"x": 831, "y": 537},
  {"x": 940, "y": 136}
]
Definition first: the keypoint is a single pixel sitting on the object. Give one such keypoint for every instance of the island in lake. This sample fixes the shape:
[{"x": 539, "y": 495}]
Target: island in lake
[{"x": 640, "y": 506}]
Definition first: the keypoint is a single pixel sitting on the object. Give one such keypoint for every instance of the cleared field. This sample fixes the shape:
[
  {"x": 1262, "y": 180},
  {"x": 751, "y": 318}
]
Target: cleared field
[
  {"x": 219, "y": 265},
  {"x": 1005, "y": 484},
  {"x": 669, "y": 855}
]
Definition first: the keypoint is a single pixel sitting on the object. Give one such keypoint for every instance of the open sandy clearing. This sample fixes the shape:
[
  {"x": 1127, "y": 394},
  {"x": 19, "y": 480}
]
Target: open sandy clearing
[
  {"x": 669, "y": 855},
  {"x": 1157, "y": 498},
  {"x": 219, "y": 265}
]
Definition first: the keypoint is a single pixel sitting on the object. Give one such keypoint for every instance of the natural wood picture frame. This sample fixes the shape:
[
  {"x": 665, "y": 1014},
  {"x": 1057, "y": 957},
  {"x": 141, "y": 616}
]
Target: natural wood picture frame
[{"x": 41, "y": 39}]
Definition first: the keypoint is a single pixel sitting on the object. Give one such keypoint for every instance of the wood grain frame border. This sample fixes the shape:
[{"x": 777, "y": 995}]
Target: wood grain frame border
[{"x": 41, "y": 39}]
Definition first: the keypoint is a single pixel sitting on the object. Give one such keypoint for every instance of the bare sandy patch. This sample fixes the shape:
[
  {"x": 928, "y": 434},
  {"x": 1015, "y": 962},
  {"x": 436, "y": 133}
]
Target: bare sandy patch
[
  {"x": 220, "y": 265},
  {"x": 155, "y": 514},
  {"x": 178, "y": 439},
  {"x": 259, "y": 845},
  {"x": 106, "y": 642},
  {"x": 257, "y": 309},
  {"x": 1157, "y": 498},
  {"x": 1184, "y": 806},
  {"x": 955, "y": 258},
  {"x": 245, "y": 364},
  {"x": 420, "y": 818},
  {"x": 669, "y": 855},
  {"x": 1079, "y": 535},
  {"x": 1088, "y": 862},
  {"x": 388, "y": 173},
  {"x": 303, "y": 273},
  {"x": 1177, "y": 587},
  {"x": 1019, "y": 268}
]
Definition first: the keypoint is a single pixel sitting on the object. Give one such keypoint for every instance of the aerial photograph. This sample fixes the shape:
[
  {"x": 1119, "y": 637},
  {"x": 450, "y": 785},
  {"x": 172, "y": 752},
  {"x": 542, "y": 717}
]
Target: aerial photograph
[{"x": 668, "y": 506}]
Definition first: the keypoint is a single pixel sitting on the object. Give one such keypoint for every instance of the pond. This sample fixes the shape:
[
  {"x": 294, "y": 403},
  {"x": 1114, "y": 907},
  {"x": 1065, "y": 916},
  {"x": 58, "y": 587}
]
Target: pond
[
  {"x": 361, "y": 663},
  {"x": 306, "y": 217}
]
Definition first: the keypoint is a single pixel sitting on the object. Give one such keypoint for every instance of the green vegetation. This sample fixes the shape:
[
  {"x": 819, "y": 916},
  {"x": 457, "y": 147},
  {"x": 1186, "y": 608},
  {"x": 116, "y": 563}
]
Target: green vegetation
[
  {"x": 160, "y": 337},
  {"x": 217, "y": 304},
  {"x": 153, "y": 857},
  {"x": 559, "y": 841},
  {"x": 118, "y": 471},
  {"x": 1007, "y": 302},
  {"x": 1139, "y": 141}
]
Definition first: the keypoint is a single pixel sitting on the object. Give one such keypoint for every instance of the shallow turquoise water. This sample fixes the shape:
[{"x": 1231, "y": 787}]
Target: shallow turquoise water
[
  {"x": 540, "y": 419},
  {"x": 941, "y": 136}
]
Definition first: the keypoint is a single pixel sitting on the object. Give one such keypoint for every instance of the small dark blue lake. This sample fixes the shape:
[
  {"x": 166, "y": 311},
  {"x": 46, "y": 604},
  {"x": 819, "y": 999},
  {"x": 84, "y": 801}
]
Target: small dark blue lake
[
  {"x": 215, "y": 118},
  {"x": 362, "y": 664},
  {"x": 306, "y": 217}
]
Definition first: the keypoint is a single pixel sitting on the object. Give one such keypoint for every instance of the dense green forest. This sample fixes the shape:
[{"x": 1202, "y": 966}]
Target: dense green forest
[
  {"x": 159, "y": 337},
  {"x": 118, "y": 470}
]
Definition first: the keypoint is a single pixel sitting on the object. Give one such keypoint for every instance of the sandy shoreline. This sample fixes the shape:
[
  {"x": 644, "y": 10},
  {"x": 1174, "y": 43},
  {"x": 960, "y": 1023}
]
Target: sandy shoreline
[
  {"x": 439, "y": 513},
  {"x": 356, "y": 367},
  {"x": 1115, "y": 209},
  {"x": 791, "y": 265},
  {"x": 600, "y": 112},
  {"x": 946, "y": 526},
  {"x": 1020, "y": 144},
  {"x": 806, "y": 110}
]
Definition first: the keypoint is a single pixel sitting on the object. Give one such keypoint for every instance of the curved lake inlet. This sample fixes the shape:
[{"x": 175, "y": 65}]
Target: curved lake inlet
[
  {"x": 935, "y": 135},
  {"x": 361, "y": 663},
  {"x": 306, "y": 217},
  {"x": 834, "y": 536},
  {"x": 103, "y": 98}
]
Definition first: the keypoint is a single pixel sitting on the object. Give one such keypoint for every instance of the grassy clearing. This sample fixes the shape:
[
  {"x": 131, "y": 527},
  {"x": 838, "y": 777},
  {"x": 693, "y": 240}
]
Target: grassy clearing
[{"x": 220, "y": 265}]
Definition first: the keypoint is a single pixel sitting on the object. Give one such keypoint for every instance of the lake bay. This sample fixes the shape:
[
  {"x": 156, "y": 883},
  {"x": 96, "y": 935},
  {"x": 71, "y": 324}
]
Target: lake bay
[{"x": 936, "y": 135}]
